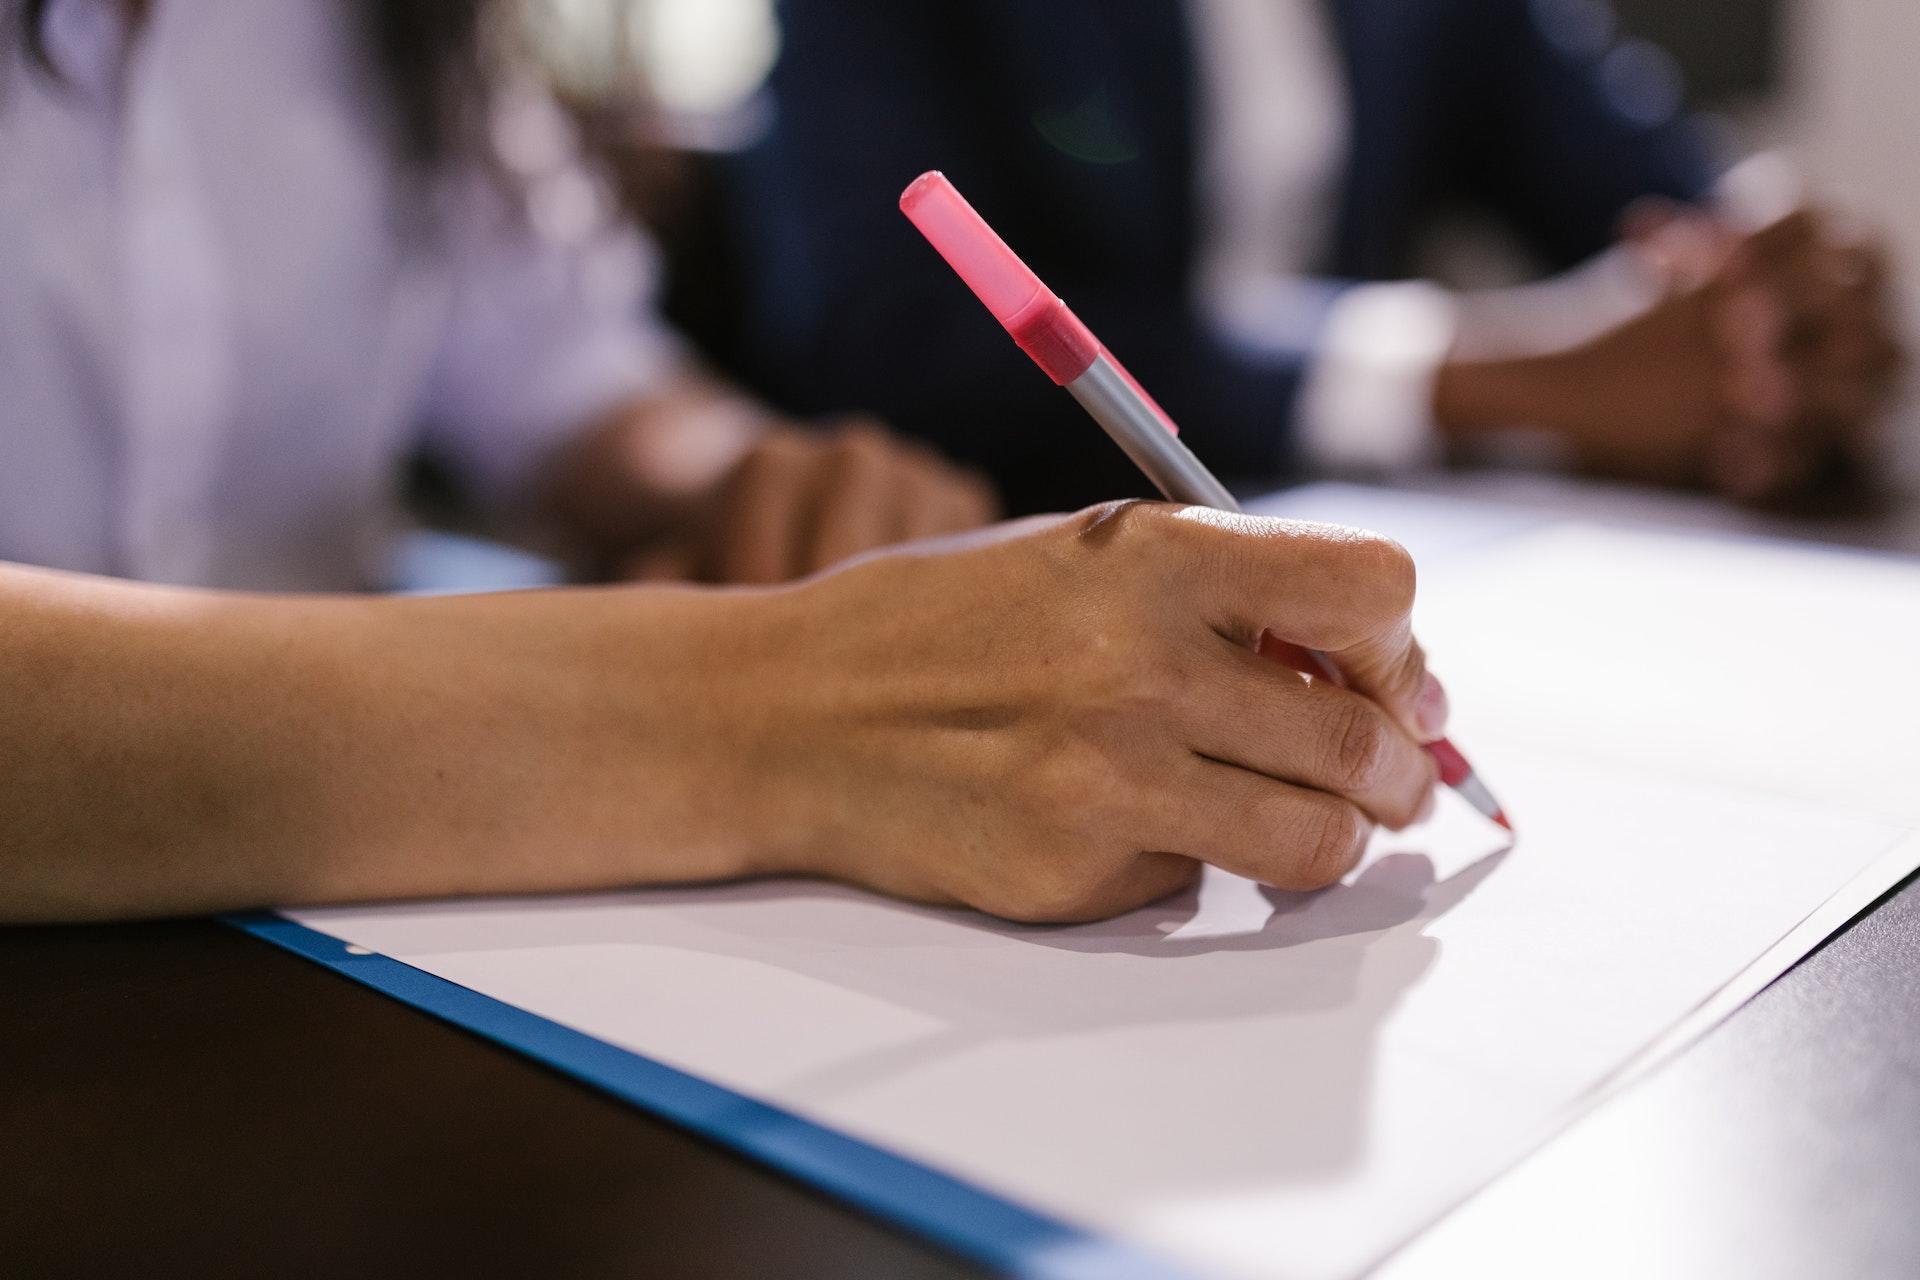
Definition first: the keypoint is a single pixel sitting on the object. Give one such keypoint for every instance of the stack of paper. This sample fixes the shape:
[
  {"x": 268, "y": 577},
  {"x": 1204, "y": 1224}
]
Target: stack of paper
[{"x": 1701, "y": 748}]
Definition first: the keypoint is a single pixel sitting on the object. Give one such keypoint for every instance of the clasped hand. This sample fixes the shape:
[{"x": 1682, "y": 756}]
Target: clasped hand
[{"x": 1765, "y": 365}]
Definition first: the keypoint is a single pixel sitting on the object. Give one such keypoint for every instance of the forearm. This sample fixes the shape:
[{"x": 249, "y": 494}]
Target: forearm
[
  {"x": 170, "y": 752},
  {"x": 1473, "y": 397},
  {"x": 1041, "y": 720}
]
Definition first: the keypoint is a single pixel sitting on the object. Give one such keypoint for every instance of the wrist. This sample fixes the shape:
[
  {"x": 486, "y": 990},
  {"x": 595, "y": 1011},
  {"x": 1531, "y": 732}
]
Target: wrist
[
  {"x": 1477, "y": 397},
  {"x": 677, "y": 694},
  {"x": 541, "y": 741},
  {"x": 778, "y": 708}
]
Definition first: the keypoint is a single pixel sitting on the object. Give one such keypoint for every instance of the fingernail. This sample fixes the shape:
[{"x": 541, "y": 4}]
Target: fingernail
[{"x": 1430, "y": 712}]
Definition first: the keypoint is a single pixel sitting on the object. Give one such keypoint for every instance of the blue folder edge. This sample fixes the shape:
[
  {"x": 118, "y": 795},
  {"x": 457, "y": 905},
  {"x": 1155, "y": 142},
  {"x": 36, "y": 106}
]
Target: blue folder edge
[{"x": 941, "y": 1208}]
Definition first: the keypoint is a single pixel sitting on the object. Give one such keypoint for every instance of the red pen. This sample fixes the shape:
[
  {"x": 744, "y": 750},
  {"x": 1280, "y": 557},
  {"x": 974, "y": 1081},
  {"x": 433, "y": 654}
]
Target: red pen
[{"x": 1067, "y": 352}]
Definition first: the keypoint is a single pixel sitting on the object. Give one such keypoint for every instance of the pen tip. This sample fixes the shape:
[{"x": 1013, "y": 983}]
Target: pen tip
[{"x": 1475, "y": 793}]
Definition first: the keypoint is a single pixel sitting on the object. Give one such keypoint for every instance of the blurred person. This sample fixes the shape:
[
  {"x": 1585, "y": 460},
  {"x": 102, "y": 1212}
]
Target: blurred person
[
  {"x": 255, "y": 255},
  {"x": 248, "y": 246},
  {"x": 1232, "y": 194}
]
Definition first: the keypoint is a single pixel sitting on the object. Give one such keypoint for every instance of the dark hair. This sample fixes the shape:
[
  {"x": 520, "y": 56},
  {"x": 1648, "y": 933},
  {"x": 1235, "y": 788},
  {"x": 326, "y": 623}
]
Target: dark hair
[{"x": 430, "y": 53}]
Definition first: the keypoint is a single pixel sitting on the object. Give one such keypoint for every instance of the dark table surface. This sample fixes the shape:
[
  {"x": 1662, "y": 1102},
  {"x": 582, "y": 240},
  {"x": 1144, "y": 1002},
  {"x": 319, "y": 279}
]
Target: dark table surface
[{"x": 180, "y": 1099}]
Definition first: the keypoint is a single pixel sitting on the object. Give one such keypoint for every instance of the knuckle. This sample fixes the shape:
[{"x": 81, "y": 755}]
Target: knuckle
[
  {"x": 1358, "y": 745},
  {"x": 1390, "y": 566},
  {"x": 1125, "y": 521},
  {"x": 1331, "y": 839}
]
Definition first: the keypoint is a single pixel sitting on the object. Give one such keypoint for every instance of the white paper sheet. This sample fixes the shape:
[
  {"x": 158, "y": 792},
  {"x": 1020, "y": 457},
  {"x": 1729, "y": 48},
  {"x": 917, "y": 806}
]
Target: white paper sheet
[{"x": 1263, "y": 1084}]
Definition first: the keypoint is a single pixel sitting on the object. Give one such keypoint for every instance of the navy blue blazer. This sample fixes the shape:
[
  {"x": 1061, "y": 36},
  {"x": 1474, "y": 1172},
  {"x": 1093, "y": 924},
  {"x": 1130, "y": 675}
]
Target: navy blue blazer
[{"x": 1070, "y": 124}]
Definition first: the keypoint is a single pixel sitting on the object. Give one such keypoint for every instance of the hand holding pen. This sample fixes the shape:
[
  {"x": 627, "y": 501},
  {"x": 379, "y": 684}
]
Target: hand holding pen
[{"x": 1068, "y": 353}]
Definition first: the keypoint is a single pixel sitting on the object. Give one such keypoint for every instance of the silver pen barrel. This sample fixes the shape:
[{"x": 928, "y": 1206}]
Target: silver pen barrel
[{"x": 1109, "y": 396}]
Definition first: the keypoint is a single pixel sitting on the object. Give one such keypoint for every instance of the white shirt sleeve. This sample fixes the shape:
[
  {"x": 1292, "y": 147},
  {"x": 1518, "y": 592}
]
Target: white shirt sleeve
[
  {"x": 550, "y": 320},
  {"x": 1367, "y": 400},
  {"x": 1274, "y": 135}
]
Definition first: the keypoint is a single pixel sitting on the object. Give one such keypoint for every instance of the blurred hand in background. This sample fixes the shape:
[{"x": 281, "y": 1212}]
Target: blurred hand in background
[
  {"x": 701, "y": 485},
  {"x": 1762, "y": 368},
  {"x": 800, "y": 500},
  {"x": 1813, "y": 358}
]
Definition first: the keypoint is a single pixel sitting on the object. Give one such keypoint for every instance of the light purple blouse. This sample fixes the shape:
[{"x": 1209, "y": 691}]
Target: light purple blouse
[{"x": 218, "y": 336}]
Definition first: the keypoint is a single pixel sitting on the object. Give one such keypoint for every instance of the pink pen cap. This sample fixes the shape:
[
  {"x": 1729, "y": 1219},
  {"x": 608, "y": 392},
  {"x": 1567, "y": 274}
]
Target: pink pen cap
[{"x": 1037, "y": 320}]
